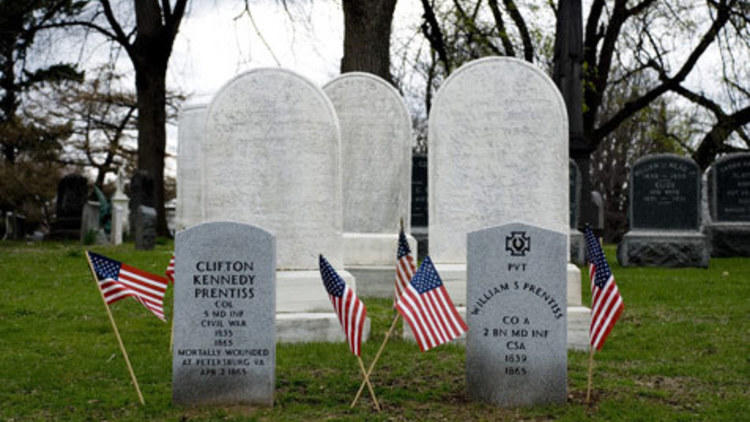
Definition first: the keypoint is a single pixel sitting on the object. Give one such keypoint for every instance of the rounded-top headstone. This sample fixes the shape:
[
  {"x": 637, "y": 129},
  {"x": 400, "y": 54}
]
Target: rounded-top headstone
[
  {"x": 729, "y": 188},
  {"x": 498, "y": 153},
  {"x": 271, "y": 158},
  {"x": 190, "y": 128},
  {"x": 665, "y": 193},
  {"x": 375, "y": 151}
]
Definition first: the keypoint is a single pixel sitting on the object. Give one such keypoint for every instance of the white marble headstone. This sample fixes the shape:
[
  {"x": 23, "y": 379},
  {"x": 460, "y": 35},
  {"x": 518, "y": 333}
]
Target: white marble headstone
[
  {"x": 190, "y": 128},
  {"x": 271, "y": 158},
  {"x": 375, "y": 152},
  {"x": 498, "y": 153}
]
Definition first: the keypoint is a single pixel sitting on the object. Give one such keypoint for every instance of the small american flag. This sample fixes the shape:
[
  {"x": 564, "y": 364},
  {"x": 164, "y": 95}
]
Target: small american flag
[
  {"x": 170, "y": 270},
  {"x": 118, "y": 281},
  {"x": 606, "y": 303},
  {"x": 428, "y": 309},
  {"x": 350, "y": 310},
  {"x": 405, "y": 266}
]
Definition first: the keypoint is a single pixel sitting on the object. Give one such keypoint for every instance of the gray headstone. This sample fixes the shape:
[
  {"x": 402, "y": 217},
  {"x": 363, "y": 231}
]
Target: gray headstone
[
  {"x": 271, "y": 157},
  {"x": 664, "y": 214},
  {"x": 598, "y": 201},
  {"x": 729, "y": 204},
  {"x": 516, "y": 311},
  {"x": 665, "y": 193},
  {"x": 375, "y": 152},
  {"x": 190, "y": 130},
  {"x": 729, "y": 185},
  {"x": 145, "y": 227},
  {"x": 224, "y": 311},
  {"x": 498, "y": 150}
]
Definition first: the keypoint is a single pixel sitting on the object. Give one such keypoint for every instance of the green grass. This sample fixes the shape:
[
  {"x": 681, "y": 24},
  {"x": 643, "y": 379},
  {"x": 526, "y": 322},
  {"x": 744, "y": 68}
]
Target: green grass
[{"x": 680, "y": 352}]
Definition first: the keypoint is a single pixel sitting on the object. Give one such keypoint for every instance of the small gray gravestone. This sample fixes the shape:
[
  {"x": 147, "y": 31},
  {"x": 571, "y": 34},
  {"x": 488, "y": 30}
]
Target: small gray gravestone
[
  {"x": 224, "y": 312},
  {"x": 729, "y": 205},
  {"x": 145, "y": 227},
  {"x": 516, "y": 312},
  {"x": 577, "y": 247},
  {"x": 664, "y": 214}
]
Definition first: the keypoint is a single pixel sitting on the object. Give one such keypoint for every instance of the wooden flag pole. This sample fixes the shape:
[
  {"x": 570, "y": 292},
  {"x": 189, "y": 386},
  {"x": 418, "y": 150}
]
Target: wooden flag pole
[
  {"x": 117, "y": 333},
  {"x": 369, "y": 386},
  {"x": 591, "y": 367},
  {"x": 375, "y": 360}
]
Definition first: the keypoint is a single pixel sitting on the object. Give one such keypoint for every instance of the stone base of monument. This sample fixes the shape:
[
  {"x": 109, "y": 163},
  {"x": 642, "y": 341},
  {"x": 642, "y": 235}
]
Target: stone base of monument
[
  {"x": 303, "y": 310},
  {"x": 371, "y": 259},
  {"x": 312, "y": 327},
  {"x": 577, "y": 247},
  {"x": 729, "y": 239},
  {"x": 579, "y": 320},
  {"x": 663, "y": 248},
  {"x": 454, "y": 279}
]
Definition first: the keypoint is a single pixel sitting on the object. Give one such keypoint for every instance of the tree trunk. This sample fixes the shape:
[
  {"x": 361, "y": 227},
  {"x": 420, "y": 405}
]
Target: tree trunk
[
  {"x": 150, "y": 83},
  {"x": 367, "y": 36}
]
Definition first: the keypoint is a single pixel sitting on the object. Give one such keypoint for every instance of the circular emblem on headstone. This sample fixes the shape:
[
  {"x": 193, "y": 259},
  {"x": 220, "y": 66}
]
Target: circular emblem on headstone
[{"x": 518, "y": 243}]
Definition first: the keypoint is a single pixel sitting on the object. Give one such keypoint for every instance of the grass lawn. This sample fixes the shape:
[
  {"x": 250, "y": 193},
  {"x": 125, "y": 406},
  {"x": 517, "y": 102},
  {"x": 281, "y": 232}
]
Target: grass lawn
[{"x": 681, "y": 351}]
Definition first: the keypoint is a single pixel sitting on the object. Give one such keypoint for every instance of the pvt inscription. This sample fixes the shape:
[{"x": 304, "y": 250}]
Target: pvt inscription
[
  {"x": 516, "y": 312},
  {"x": 224, "y": 313}
]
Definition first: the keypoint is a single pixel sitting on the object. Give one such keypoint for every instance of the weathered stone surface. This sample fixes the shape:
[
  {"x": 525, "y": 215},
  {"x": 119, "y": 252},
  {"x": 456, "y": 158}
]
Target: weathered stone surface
[
  {"x": 577, "y": 247},
  {"x": 375, "y": 152},
  {"x": 145, "y": 228},
  {"x": 271, "y": 157},
  {"x": 729, "y": 204},
  {"x": 191, "y": 126},
  {"x": 516, "y": 311},
  {"x": 224, "y": 332},
  {"x": 498, "y": 149},
  {"x": 663, "y": 249}
]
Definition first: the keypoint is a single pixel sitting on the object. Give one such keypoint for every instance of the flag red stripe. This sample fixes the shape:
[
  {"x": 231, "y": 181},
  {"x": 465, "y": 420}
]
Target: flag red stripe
[
  {"x": 438, "y": 316},
  {"x": 422, "y": 307},
  {"x": 406, "y": 309}
]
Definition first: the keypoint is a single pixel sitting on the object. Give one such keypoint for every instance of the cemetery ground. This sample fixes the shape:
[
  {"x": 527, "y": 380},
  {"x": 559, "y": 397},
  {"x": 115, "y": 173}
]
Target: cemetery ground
[{"x": 680, "y": 352}]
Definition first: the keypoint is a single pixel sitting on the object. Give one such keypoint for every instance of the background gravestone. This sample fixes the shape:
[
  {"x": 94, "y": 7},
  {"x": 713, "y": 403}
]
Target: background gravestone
[
  {"x": 271, "y": 157},
  {"x": 141, "y": 193},
  {"x": 419, "y": 203},
  {"x": 729, "y": 206},
  {"x": 72, "y": 192},
  {"x": 664, "y": 214},
  {"x": 376, "y": 141},
  {"x": 224, "y": 308},
  {"x": 145, "y": 228},
  {"x": 516, "y": 312},
  {"x": 190, "y": 130},
  {"x": 498, "y": 153},
  {"x": 577, "y": 246}
]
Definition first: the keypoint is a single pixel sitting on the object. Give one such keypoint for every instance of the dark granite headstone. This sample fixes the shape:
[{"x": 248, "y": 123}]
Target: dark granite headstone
[
  {"x": 141, "y": 193},
  {"x": 419, "y": 191},
  {"x": 72, "y": 192},
  {"x": 224, "y": 314},
  {"x": 665, "y": 193},
  {"x": 516, "y": 311},
  {"x": 664, "y": 214},
  {"x": 729, "y": 206},
  {"x": 729, "y": 182},
  {"x": 145, "y": 227},
  {"x": 575, "y": 193}
]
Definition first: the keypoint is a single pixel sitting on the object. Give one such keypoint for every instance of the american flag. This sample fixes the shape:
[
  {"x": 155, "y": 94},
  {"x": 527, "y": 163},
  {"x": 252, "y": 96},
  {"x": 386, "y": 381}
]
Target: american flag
[
  {"x": 606, "y": 303},
  {"x": 118, "y": 281},
  {"x": 350, "y": 310},
  {"x": 170, "y": 269},
  {"x": 405, "y": 266},
  {"x": 428, "y": 309}
]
